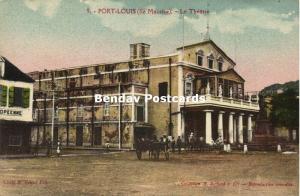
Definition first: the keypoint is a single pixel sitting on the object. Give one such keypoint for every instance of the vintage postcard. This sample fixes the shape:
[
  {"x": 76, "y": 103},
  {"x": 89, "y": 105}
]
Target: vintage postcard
[{"x": 149, "y": 97}]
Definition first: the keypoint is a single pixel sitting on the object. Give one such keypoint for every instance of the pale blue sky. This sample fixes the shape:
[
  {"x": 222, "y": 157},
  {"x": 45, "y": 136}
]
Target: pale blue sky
[{"x": 38, "y": 34}]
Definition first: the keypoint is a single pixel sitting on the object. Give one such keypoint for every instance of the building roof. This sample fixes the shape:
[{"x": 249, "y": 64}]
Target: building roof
[
  {"x": 223, "y": 73},
  {"x": 104, "y": 63},
  {"x": 13, "y": 73},
  {"x": 214, "y": 45}
]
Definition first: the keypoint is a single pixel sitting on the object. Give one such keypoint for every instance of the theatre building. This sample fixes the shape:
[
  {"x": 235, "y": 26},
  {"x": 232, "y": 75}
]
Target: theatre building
[
  {"x": 64, "y": 104},
  {"x": 16, "y": 92}
]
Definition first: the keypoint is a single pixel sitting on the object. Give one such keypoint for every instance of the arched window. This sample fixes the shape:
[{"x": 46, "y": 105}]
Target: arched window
[
  {"x": 199, "y": 56},
  {"x": 210, "y": 61},
  {"x": 220, "y": 63},
  {"x": 188, "y": 85}
]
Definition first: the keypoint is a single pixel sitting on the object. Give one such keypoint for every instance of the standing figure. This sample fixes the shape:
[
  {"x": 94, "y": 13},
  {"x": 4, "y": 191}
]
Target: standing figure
[
  {"x": 201, "y": 144},
  {"x": 191, "y": 141},
  {"x": 48, "y": 143},
  {"x": 179, "y": 143},
  {"x": 107, "y": 145},
  {"x": 166, "y": 146},
  {"x": 58, "y": 148},
  {"x": 173, "y": 144}
]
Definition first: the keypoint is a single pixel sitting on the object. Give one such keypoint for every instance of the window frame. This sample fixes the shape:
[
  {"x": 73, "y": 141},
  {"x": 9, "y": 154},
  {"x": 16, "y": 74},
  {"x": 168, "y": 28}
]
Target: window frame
[
  {"x": 3, "y": 96},
  {"x": 79, "y": 112},
  {"x": 106, "y": 109},
  {"x": 13, "y": 98},
  {"x": 188, "y": 82},
  {"x": 220, "y": 65},
  {"x": 199, "y": 53},
  {"x": 163, "y": 89},
  {"x": 208, "y": 63}
]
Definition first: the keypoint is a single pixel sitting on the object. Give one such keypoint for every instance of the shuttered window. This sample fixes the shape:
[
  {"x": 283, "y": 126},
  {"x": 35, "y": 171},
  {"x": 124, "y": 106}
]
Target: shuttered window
[
  {"x": 26, "y": 97},
  {"x": 11, "y": 96},
  {"x": 19, "y": 97},
  {"x": 3, "y": 95}
]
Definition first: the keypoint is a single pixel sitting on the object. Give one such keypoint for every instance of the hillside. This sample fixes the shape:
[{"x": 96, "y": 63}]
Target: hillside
[{"x": 276, "y": 88}]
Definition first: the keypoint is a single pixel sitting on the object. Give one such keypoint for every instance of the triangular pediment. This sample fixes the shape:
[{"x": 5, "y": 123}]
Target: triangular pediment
[
  {"x": 214, "y": 45},
  {"x": 231, "y": 74}
]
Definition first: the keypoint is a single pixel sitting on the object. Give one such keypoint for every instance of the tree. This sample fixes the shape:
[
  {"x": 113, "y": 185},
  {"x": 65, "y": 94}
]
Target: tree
[{"x": 285, "y": 110}]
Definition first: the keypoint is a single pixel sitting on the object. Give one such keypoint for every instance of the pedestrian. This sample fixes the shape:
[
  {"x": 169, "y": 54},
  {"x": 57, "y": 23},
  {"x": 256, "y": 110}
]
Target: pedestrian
[
  {"x": 107, "y": 146},
  {"x": 173, "y": 144},
  {"x": 58, "y": 148},
  {"x": 179, "y": 143},
  {"x": 166, "y": 142},
  {"x": 202, "y": 143},
  {"x": 191, "y": 141},
  {"x": 36, "y": 149},
  {"x": 48, "y": 143}
]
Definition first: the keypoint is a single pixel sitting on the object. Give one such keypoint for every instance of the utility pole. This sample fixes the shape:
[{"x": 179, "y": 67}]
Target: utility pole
[
  {"x": 170, "y": 131},
  {"x": 120, "y": 114},
  {"x": 52, "y": 122}
]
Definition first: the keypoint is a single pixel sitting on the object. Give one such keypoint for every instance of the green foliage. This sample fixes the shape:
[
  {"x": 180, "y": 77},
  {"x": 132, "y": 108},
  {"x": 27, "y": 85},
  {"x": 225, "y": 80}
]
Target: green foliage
[{"x": 285, "y": 109}]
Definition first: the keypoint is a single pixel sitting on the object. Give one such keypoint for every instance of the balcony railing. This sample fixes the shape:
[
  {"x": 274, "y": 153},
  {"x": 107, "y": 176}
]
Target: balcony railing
[{"x": 225, "y": 102}]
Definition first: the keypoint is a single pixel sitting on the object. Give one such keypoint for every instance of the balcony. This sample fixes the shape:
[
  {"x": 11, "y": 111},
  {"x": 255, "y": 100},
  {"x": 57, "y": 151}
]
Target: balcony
[{"x": 225, "y": 102}]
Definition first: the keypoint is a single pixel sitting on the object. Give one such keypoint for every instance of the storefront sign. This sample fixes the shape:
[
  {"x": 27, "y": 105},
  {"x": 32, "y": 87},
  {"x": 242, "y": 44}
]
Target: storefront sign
[{"x": 10, "y": 112}]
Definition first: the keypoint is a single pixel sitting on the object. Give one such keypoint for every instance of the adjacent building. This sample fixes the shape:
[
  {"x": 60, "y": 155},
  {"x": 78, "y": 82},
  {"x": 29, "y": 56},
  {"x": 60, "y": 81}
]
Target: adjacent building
[
  {"x": 16, "y": 95},
  {"x": 64, "y": 106}
]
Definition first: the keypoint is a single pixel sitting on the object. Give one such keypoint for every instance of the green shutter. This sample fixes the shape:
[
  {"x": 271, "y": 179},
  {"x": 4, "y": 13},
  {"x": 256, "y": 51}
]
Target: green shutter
[
  {"x": 3, "y": 95},
  {"x": 26, "y": 95},
  {"x": 11, "y": 96}
]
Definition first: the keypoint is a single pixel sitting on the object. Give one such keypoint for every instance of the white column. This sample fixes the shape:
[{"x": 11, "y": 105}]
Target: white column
[
  {"x": 234, "y": 130},
  {"x": 146, "y": 106},
  {"x": 230, "y": 127},
  {"x": 182, "y": 128},
  {"x": 180, "y": 120},
  {"x": 208, "y": 129},
  {"x": 240, "y": 129},
  {"x": 132, "y": 105},
  {"x": 249, "y": 128},
  {"x": 220, "y": 125}
]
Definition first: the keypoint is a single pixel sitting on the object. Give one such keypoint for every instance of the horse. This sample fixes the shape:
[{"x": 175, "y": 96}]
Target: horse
[{"x": 154, "y": 148}]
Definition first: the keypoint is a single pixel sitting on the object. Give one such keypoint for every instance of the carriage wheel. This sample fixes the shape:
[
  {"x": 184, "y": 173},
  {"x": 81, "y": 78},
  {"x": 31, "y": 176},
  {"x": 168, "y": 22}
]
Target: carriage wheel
[{"x": 139, "y": 154}]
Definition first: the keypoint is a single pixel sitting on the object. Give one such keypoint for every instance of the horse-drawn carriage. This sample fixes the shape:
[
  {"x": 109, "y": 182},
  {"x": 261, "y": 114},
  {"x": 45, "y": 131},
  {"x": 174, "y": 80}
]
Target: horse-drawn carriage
[{"x": 154, "y": 148}]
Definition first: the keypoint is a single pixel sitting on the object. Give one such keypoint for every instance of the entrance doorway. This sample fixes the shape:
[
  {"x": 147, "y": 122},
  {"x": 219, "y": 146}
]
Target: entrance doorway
[
  {"x": 98, "y": 136},
  {"x": 79, "y": 136}
]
